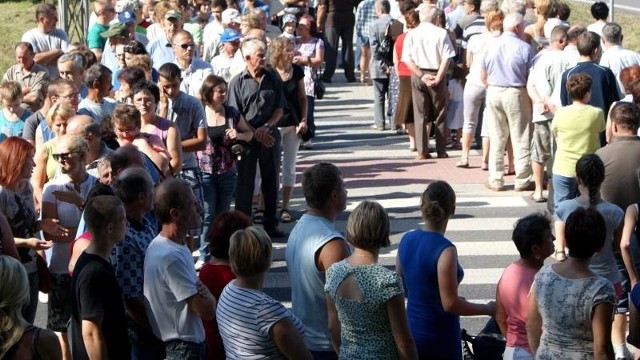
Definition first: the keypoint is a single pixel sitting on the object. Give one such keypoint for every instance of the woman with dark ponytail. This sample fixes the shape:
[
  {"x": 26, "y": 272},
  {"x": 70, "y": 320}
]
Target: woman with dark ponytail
[
  {"x": 590, "y": 175},
  {"x": 428, "y": 264}
]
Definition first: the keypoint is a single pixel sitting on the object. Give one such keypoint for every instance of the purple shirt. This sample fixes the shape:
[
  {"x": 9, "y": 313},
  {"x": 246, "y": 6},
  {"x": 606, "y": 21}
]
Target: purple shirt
[{"x": 507, "y": 61}]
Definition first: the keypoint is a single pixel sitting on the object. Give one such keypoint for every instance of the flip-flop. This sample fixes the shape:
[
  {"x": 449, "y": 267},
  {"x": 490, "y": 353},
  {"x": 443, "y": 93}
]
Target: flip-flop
[
  {"x": 538, "y": 200},
  {"x": 285, "y": 216}
]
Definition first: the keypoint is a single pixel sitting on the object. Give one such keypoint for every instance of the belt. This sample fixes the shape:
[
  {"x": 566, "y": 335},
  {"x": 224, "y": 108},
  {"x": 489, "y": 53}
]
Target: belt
[
  {"x": 508, "y": 87},
  {"x": 429, "y": 70}
]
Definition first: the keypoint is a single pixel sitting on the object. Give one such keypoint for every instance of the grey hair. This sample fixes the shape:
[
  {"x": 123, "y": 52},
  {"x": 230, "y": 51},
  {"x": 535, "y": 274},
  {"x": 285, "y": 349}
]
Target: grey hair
[
  {"x": 95, "y": 73},
  {"x": 427, "y": 13},
  {"x": 383, "y": 6},
  {"x": 250, "y": 46},
  {"x": 612, "y": 33},
  {"x": 78, "y": 62},
  {"x": 511, "y": 21},
  {"x": 488, "y": 5}
]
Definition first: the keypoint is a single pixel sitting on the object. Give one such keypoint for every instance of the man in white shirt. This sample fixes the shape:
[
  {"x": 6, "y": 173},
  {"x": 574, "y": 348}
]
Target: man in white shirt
[
  {"x": 600, "y": 12},
  {"x": 193, "y": 70},
  {"x": 221, "y": 64},
  {"x": 49, "y": 43},
  {"x": 615, "y": 57},
  {"x": 427, "y": 52}
]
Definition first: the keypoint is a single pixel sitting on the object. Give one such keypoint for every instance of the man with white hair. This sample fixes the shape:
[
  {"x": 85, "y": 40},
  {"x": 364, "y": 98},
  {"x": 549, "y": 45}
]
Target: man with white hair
[
  {"x": 259, "y": 97},
  {"x": 505, "y": 68},
  {"x": 70, "y": 67},
  {"x": 427, "y": 52},
  {"x": 615, "y": 57}
]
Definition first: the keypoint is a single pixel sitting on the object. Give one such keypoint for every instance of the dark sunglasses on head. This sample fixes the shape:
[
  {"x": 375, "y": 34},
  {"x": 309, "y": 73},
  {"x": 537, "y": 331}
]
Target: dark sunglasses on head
[
  {"x": 62, "y": 156},
  {"x": 187, "y": 45}
]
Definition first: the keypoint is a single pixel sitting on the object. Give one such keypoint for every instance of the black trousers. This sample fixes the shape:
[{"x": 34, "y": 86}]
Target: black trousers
[
  {"x": 268, "y": 160},
  {"x": 333, "y": 34}
]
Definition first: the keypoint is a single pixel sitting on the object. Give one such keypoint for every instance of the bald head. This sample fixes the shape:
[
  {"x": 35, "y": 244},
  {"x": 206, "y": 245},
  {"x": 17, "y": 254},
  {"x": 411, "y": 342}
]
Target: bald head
[
  {"x": 79, "y": 125},
  {"x": 131, "y": 183},
  {"x": 124, "y": 157},
  {"x": 257, "y": 34},
  {"x": 170, "y": 194}
]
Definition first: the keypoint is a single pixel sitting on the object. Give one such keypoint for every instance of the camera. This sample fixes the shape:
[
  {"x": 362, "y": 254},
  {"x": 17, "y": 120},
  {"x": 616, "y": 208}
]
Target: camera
[{"x": 239, "y": 148}]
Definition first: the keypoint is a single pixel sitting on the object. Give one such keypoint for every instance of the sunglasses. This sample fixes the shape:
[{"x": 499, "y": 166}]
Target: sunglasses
[
  {"x": 187, "y": 45},
  {"x": 62, "y": 156}
]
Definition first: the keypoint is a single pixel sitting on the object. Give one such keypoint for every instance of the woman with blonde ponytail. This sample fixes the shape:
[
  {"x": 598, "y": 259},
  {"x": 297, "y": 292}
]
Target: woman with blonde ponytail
[
  {"x": 428, "y": 264},
  {"x": 20, "y": 340}
]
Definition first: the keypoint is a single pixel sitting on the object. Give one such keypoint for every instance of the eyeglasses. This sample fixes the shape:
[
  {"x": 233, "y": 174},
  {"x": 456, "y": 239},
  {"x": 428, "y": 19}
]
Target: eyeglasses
[
  {"x": 187, "y": 45},
  {"x": 62, "y": 156},
  {"x": 72, "y": 96}
]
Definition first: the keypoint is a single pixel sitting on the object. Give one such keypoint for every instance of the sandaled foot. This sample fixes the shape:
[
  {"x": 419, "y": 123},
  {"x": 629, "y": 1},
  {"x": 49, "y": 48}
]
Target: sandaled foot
[
  {"x": 484, "y": 166},
  {"x": 285, "y": 216}
]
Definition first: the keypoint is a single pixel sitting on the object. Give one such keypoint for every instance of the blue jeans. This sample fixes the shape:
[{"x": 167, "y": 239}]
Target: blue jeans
[
  {"x": 144, "y": 345},
  {"x": 218, "y": 192},
  {"x": 564, "y": 188}
]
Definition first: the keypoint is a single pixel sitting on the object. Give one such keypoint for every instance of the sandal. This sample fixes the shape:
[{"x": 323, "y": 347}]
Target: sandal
[
  {"x": 484, "y": 166},
  {"x": 258, "y": 216},
  {"x": 285, "y": 216}
]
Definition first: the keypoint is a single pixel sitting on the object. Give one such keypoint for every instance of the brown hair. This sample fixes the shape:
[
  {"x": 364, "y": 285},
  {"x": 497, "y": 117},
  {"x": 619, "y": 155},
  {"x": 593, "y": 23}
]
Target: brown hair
[{"x": 578, "y": 85}]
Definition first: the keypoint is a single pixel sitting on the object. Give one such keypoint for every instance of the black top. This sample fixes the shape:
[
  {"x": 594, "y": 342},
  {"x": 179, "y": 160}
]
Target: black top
[
  {"x": 255, "y": 100},
  {"x": 95, "y": 293},
  {"x": 292, "y": 111}
]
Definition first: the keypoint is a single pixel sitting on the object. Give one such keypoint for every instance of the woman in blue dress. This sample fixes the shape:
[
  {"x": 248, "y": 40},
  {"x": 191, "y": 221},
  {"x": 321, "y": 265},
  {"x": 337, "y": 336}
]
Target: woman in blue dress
[{"x": 428, "y": 265}]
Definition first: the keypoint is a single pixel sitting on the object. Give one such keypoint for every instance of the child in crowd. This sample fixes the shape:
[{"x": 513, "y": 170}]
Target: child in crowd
[
  {"x": 455, "y": 115},
  {"x": 12, "y": 116},
  {"x": 289, "y": 26}
]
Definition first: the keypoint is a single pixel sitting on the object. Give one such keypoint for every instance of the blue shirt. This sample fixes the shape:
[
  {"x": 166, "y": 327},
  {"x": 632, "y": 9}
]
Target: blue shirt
[
  {"x": 257, "y": 3},
  {"x": 161, "y": 52},
  {"x": 604, "y": 86},
  {"x": 507, "y": 61}
]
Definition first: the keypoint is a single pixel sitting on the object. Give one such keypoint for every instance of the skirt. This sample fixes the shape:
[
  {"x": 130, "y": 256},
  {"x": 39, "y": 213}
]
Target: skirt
[{"x": 404, "y": 107}]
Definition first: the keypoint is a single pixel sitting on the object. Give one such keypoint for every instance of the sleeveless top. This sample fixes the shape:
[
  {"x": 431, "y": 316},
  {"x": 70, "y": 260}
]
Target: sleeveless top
[
  {"x": 216, "y": 158},
  {"x": 25, "y": 348},
  {"x": 52, "y": 164},
  {"x": 161, "y": 129}
]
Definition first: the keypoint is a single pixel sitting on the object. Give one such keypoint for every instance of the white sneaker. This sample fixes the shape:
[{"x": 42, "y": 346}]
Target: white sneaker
[{"x": 43, "y": 298}]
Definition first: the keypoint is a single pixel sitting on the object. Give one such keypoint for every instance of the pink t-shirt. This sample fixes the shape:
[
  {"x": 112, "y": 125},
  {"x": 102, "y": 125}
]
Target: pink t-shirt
[{"x": 514, "y": 287}]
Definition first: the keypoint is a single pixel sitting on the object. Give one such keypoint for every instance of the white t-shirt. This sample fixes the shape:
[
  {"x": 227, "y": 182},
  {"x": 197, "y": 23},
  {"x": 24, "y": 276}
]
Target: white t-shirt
[
  {"x": 42, "y": 42},
  {"x": 169, "y": 280},
  {"x": 97, "y": 111},
  {"x": 221, "y": 65},
  {"x": 69, "y": 216}
]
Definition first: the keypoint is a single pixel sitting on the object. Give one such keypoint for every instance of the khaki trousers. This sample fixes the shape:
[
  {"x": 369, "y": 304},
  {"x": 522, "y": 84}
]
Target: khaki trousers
[{"x": 429, "y": 105}]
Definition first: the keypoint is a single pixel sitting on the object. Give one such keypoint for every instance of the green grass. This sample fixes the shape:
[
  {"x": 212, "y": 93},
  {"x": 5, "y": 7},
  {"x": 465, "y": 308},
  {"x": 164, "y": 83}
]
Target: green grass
[{"x": 16, "y": 17}]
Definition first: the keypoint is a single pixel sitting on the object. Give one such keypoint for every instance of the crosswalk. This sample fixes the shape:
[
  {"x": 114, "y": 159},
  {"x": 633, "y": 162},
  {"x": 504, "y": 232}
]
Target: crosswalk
[{"x": 378, "y": 166}]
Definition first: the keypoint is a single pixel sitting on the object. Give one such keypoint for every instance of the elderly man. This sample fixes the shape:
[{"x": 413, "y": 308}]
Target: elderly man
[
  {"x": 31, "y": 76},
  {"x": 505, "y": 68},
  {"x": 105, "y": 12},
  {"x": 313, "y": 246},
  {"x": 259, "y": 97},
  {"x": 615, "y": 57},
  {"x": 221, "y": 64},
  {"x": 134, "y": 187},
  {"x": 427, "y": 52},
  {"x": 336, "y": 20},
  {"x": 193, "y": 70},
  {"x": 161, "y": 50},
  {"x": 380, "y": 63},
  {"x": 271, "y": 31},
  {"x": 87, "y": 127},
  {"x": 48, "y": 42},
  {"x": 96, "y": 104},
  {"x": 71, "y": 67},
  {"x": 175, "y": 300},
  {"x": 212, "y": 42}
]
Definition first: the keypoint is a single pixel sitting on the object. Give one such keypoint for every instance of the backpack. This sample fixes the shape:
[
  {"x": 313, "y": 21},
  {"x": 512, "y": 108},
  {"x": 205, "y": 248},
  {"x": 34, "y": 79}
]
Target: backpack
[{"x": 384, "y": 48}]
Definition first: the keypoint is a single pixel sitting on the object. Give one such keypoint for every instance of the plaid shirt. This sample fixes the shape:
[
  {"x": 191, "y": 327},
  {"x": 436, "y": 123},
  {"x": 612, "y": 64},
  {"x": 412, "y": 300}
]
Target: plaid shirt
[{"x": 365, "y": 15}]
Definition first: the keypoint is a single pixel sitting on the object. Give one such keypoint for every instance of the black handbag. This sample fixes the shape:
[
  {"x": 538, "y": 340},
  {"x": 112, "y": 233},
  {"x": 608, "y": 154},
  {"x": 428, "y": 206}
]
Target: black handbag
[
  {"x": 319, "y": 88},
  {"x": 489, "y": 344}
]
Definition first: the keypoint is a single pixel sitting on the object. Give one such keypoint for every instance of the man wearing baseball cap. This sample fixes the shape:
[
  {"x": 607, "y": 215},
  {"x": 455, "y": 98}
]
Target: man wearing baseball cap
[
  {"x": 118, "y": 34},
  {"x": 221, "y": 64},
  {"x": 212, "y": 44},
  {"x": 161, "y": 49}
]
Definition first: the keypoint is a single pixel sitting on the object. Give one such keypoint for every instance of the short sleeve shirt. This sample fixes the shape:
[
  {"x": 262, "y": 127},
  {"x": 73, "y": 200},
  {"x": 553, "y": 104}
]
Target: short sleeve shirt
[
  {"x": 94, "y": 40},
  {"x": 188, "y": 114},
  {"x": 42, "y": 42},
  {"x": 127, "y": 258},
  {"x": 255, "y": 100}
]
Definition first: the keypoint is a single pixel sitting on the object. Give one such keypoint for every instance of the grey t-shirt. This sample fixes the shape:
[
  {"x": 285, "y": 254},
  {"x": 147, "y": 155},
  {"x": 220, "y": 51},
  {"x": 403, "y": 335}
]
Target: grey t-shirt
[
  {"x": 98, "y": 111},
  {"x": 31, "y": 125},
  {"x": 42, "y": 42},
  {"x": 188, "y": 114},
  {"x": 602, "y": 263}
]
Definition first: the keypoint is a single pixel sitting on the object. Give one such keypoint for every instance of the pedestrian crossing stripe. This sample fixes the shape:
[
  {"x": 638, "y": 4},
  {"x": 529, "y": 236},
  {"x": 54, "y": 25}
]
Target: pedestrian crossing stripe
[{"x": 461, "y": 203}]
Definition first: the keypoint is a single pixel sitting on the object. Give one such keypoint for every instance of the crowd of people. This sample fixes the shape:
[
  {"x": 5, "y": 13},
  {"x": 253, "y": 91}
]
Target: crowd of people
[{"x": 121, "y": 158}]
